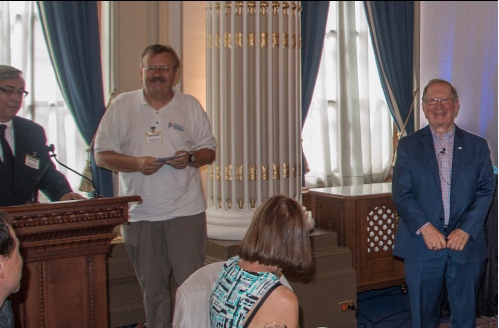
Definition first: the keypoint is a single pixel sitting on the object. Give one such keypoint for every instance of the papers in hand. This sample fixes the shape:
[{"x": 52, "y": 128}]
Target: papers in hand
[{"x": 167, "y": 159}]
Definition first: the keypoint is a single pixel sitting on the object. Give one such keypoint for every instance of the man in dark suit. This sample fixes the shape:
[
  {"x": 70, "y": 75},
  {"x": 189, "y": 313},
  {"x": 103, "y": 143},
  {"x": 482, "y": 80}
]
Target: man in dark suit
[
  {"x": 443, "y": 184},
  {"x": 23, "y": 150}
]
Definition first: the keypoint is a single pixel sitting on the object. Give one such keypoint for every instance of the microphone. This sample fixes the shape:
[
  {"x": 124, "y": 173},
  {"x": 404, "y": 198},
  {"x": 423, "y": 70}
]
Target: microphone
[
  {"x": 442, "y": 152},
  {"x": 51, "y": 149}
]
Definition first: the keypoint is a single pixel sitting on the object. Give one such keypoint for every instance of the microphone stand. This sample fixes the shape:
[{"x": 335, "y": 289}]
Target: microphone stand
[{"x": 94, "y": 194}]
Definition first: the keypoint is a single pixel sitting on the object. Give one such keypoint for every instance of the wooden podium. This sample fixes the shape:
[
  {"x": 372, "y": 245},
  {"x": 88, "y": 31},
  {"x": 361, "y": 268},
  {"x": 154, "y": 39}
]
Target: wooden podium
[{"x": 64, "y": 247}]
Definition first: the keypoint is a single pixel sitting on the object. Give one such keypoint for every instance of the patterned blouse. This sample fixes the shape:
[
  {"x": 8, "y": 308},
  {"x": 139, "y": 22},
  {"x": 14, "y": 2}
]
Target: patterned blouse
[{"x": 235, "y": 293}]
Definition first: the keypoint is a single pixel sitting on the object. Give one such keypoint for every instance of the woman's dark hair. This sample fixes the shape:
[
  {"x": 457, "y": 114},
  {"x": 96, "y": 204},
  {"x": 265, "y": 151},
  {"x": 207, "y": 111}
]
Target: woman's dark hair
[
  {"x": 7, "y": 242},
  {"x": 278, "y": 235}
]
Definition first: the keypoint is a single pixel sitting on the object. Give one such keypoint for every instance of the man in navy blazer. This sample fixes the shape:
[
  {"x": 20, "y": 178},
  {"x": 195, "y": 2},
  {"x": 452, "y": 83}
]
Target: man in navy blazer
[
  {"x": 27, "y": 142},
  {"x": 443, "y": 185}
]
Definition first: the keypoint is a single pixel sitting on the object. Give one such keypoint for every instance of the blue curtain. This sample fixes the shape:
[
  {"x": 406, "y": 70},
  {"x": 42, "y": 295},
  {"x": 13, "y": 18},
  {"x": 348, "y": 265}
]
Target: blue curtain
[
  {"x": 313, "y": 30},
  {"x": 71, "y": 30},
  {"x": 392, "y": 30}
]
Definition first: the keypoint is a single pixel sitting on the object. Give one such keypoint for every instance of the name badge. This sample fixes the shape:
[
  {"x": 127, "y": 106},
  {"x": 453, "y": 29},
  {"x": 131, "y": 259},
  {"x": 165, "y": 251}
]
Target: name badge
[
  {"x": 32, "y": 161},
  {"x": 153, "y": 137}
]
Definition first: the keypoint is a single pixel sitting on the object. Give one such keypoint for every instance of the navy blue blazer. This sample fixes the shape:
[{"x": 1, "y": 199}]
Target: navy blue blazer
[
  {"x": 30, "y": 139},
  {"x": 417, "y": 194}
]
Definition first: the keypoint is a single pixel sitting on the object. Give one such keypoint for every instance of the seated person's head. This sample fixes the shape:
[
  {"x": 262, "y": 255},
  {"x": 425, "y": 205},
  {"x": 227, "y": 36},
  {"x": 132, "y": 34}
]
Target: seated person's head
[
  {"x": 279, "y": 235},
  {"x": 11, "y": 261}
]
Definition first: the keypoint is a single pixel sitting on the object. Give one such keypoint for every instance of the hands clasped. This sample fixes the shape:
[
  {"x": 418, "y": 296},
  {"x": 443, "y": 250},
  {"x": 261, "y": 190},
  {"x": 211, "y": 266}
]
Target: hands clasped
[{"x": 435, "y": 240}]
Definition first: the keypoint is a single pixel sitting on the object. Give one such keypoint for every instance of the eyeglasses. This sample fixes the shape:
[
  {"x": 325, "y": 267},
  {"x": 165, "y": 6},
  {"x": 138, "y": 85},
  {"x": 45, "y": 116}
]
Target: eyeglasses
[
  {"x": 162, "y": 69},
  {"x": 20, "y": 93},
  {"x": 443, "y": 101}
]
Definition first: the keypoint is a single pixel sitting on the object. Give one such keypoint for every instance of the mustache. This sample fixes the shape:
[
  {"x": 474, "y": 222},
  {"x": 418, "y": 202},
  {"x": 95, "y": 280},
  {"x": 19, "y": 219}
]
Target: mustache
[{"x": 157, "y": 79}]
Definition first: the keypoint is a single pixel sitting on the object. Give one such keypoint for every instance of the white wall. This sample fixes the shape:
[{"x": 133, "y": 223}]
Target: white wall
[{"x": 459, "y": 43}]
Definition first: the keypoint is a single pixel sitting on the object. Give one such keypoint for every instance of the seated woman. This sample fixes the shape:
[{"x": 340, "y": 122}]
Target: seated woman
[{"x": 248, "y": 292}]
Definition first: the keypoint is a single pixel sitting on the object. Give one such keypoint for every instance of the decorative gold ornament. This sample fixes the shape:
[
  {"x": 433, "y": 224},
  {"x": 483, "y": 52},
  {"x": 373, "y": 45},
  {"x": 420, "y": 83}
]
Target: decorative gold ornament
[
  {"x": 239, "y": 40},
  {"x": 241, "y": 203},
  {"x": 265, "y": 172},
  {"x": 217, "y": 41},
  {"x": 239, "y": 6},
  {"x": 217, "y": 7},
  {"x": 251, "y": 7},
  {"x": 228, "y": 173},
  {"x": 276, "y": 174},
  {"x": 239, "y": 173},
  {"x": 219, "y": 173},
  {"x": 264, "y": 6},
  {"x": 228, "y": 7},
  {"x": 275, "y": 7},
  {"x": 252, "y": 173},
  {"x": 285, "y": 40},
  {"x": 229, "y": 203},
  {"x": 251, "y": 39},
  {"x": 275, "y": 40},
  {"x": 285, "y": 6},
  {"x": 285, "y": 170},
  {"x": 263, "y": 39},
  {"x": 227, "y": 40}
]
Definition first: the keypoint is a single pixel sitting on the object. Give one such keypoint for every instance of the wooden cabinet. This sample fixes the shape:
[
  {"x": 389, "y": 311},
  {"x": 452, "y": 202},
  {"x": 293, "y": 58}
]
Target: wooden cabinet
[{"x": 365, "y": 219}]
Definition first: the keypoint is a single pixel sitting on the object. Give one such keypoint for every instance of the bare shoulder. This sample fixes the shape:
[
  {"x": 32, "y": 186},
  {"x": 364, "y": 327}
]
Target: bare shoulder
[
  {"x": 284, "y": 296},
  {"x": 281, "y": 305}
]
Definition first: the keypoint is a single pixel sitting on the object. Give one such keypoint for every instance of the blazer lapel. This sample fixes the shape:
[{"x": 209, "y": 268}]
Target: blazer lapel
[{"x": 429, "y": 151}]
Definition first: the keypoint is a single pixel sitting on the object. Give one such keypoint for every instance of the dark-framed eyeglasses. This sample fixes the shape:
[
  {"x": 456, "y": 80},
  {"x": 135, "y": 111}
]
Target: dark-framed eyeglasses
[{"x": 11, "y": 92}]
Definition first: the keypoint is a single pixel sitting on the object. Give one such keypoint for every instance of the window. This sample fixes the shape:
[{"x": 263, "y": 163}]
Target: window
[
  {"x": 24, "y": 47},
  {"x": 347, "y": 135}
]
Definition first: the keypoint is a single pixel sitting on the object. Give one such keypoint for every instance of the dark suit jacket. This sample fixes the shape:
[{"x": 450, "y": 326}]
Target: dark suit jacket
[
  {"x": 417, "y": 194},
  {"x": 30, "y": 139}
]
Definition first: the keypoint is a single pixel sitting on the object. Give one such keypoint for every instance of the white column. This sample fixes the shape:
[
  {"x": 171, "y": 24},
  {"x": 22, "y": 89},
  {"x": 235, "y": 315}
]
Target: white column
[{"x": 254, "y": 103}]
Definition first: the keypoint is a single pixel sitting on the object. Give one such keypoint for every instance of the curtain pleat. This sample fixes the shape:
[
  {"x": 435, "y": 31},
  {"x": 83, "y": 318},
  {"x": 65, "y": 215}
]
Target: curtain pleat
[
  {"x": 71, "y": 30},
  {"x": 313, "y": 30},
  {"x": 391, "y": 25}
]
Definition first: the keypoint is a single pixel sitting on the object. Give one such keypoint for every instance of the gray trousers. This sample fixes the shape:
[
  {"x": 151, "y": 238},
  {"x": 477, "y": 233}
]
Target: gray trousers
[{"x": 158, "y": 249}]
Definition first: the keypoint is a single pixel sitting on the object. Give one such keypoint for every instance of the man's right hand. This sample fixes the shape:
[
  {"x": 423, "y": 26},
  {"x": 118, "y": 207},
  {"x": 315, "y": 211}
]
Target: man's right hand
[{"x": 433, "y": 239}]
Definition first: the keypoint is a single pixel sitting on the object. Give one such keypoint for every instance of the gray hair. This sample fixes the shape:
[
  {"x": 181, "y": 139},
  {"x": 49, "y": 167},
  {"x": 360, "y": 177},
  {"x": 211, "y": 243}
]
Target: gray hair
[
  {"x": 452, "y": 88},
  {"x": 9, "y": 73}
]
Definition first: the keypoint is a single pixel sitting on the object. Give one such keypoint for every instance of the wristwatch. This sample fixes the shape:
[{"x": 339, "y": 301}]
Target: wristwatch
[{"x": 192, "y": 158}]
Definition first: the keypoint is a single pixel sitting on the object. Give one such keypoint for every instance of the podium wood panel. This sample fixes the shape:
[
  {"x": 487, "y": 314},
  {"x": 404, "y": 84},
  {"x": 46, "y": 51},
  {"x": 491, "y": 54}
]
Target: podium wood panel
[{"x": 64, "y": 247}]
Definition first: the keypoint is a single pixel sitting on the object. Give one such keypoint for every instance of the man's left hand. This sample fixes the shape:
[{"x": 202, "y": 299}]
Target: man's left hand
[
  {"x": 180, "y": 161},
  {"x": 72, "y": 196},
  {"x": 457, "y": 240}
]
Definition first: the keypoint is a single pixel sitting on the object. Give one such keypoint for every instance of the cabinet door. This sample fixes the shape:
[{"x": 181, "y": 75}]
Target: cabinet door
[{"x": 377, "y": 235}]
